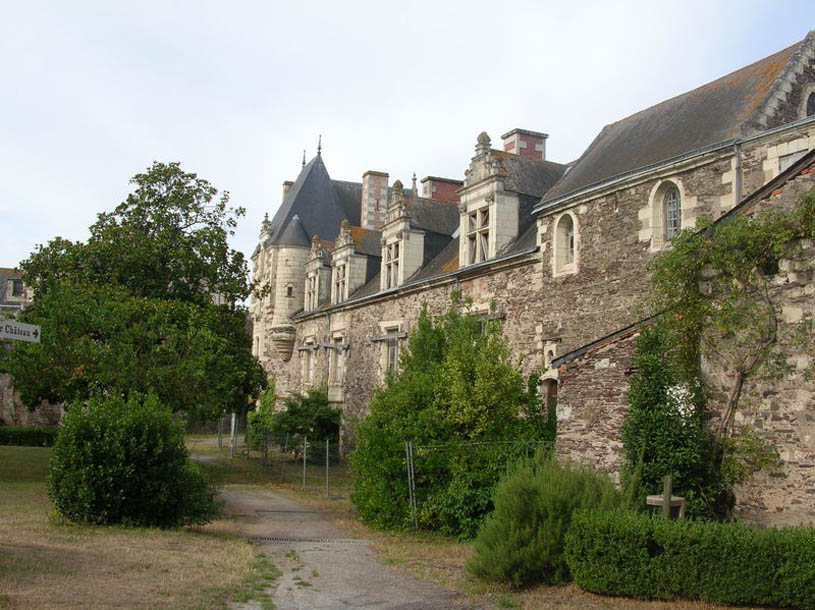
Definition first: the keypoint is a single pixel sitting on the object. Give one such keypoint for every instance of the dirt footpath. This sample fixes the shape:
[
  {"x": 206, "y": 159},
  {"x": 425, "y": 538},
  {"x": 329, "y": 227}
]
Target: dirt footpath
[{"x": 322, "y": 568}]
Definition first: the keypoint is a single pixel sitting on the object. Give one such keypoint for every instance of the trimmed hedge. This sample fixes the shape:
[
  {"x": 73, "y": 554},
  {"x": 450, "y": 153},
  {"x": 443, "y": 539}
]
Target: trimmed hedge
[
  {"x": 28, "y": 437},
  {"x": 649, "y": 557}
]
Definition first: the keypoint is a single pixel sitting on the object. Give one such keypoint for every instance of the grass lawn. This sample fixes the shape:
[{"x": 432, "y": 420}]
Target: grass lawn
[{"x": 47, "y": 563}]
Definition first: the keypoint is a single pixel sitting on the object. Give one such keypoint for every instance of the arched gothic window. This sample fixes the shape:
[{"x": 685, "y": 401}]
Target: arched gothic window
[
  {"x": 672, "y": 213},
  {"x": 565, "y": 243},
  {"x": 811, "y": 104}
]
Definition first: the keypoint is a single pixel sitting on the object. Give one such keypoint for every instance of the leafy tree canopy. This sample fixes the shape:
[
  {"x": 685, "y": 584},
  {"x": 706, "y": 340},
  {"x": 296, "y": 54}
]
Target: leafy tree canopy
[
  {"x": 131, "y": 310},
  {"x": 168, "y": 240}
]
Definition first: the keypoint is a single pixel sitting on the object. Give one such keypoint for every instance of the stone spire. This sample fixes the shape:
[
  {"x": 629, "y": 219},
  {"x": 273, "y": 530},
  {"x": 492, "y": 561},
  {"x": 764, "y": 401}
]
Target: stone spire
[
  {"x": 483, "y": 144},
  {"x": 414, "y": 193}
]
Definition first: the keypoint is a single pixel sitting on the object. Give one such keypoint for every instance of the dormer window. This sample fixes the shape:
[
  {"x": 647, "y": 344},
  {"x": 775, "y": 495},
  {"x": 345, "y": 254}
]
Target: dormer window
[
  {"x": 339, "y": 283},
  {"x": 478, "y": 235},
  {"x": 392, "y": 265},
  {"x": 311, "y": 292}
]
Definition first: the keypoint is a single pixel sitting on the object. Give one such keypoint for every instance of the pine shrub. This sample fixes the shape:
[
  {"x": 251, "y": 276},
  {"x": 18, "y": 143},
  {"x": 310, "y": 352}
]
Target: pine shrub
[
  {"x": 124, "y": 461},
  {"x": 522, "y": 541}
]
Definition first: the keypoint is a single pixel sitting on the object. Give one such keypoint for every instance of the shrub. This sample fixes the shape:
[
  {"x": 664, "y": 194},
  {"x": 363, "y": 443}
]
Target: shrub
[
  {"x": 308, "y": 415},
  {"x": 457, "y": 393},
  {"x": 124, "y": 461},
  {"x": 261, "y": 420},
  {"x": 522, "y": 541},
  {"x": 29, "y": 437},
  {"x": 666, "y": 430},
  {"x": 649, "y": 557}
]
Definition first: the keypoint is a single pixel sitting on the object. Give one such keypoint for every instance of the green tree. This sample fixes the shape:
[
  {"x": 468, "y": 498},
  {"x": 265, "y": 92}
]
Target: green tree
[
  {"x": 167, "y": 240},
  {"x": 131, "y": 310},
  {"x": 307, "y": 415},
  {"x": 456, "y": 385}
]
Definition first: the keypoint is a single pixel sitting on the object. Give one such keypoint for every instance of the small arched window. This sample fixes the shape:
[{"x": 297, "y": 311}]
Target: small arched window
[
  {"x": 811, "y": 104},
  {"x": 565, "y": 243},
  {"x": 289, "y": 290},
  {"x": 672, "y": 213}
]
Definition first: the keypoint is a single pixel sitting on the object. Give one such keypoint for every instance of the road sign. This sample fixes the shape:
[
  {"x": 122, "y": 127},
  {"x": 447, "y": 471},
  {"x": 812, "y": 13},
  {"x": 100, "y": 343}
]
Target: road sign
[{"x": 12, "y": 329}]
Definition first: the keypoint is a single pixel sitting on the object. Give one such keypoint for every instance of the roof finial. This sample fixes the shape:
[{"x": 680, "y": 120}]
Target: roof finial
[
  {"x": 319, "y": 144},
  {"x": 414, "y": 192},
  {"x": 304, "y": 158}
]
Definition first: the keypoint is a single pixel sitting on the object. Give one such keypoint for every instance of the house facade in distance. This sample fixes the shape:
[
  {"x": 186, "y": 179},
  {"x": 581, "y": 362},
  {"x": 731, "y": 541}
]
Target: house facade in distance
[{"x": 562, "y": 252}]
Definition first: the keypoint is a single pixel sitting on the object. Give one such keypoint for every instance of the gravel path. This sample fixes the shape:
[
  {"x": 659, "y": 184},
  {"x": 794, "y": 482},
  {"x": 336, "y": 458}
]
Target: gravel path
[{"x": 323, "y": 569}]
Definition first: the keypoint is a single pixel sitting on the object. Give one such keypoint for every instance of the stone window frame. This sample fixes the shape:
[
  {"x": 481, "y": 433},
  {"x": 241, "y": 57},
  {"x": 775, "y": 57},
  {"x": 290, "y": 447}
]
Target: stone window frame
[
  {"x": 562, "y": 241},
  {"x": 390, "y": 347},
  {"x": 808, "y": 94},
  {"x": 671, "y": 213},
  {"x": 391, "y": 262},
  {"x": 312, "y": 290},
  {"x": 478, "y": 234},
  {"x": 16, "y": 290},
  {"x": 308, "y": 362},
  {"x": 657, "y": 209},
  {"x": 339, "y": 276},
  {"x": 337, "y": 359}
]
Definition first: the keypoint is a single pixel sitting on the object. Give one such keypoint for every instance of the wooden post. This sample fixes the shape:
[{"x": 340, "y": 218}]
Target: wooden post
[{"x": 667, "y": 494}]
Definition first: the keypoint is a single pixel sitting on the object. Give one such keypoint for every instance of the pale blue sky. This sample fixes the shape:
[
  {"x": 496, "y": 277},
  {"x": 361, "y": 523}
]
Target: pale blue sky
[{"x": 95, "y": 91}]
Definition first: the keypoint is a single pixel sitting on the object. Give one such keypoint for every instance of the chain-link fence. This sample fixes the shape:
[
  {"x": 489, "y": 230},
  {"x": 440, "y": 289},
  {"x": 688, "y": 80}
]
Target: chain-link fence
[
  {"x": 317, "y": 465},
  {"x": 294, "y": 459}
]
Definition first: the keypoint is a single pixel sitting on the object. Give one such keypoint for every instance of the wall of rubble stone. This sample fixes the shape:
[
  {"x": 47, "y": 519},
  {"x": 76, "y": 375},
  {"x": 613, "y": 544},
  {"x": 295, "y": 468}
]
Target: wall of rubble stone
[{"x": 14, "y": 413}]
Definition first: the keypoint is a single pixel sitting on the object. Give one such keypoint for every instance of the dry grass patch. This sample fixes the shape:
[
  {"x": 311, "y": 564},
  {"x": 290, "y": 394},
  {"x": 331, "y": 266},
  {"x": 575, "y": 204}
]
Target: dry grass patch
[{"x": 48, "y": 563}]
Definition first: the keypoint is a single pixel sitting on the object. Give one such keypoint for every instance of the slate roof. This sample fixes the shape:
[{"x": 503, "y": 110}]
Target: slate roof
[
  {"x": 320, "y": 203},
  {"x": 719, "y": 111},
  {"x": 293, "y": 233},
  {"x": 367, "y": 241},
  {"x": 526, "y": 175},
  {"x": 431, "y": 215}
]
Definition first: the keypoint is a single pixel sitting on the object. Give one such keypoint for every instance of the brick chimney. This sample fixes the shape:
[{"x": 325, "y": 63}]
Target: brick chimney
[
  {"x": 287, "y": 187},
  {"x": 525, "y": 143},
  {"x": 441, "y": 189},
  {"x": 374, "y": 210}
]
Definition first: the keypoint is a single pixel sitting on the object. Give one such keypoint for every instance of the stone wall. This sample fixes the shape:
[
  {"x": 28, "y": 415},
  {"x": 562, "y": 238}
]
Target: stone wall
[
  {"x": 14, "y": 413},
  {"x": 592, "y": 404}
]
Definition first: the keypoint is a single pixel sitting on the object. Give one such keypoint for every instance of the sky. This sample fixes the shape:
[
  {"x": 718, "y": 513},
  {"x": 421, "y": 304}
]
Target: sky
[{"x": 94, "y": 92}]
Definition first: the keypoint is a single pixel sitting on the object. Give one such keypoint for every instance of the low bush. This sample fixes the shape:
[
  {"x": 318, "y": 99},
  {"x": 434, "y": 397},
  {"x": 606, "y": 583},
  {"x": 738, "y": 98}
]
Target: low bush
[
  {"x": 307, "y": 415},
  {"x": 124, "y": 461},
  {"x": 522, "y": 541},
  {"x": 29, "y": 437},
  {"x": 649, "y": 557}
]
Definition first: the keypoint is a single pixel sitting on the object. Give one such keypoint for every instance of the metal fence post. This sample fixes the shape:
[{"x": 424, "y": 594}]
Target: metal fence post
[
  {"x": 305, "y": 450},
  {"x": 326, "y": 468},
  {"x": 232, "y": 437},
  {"x": 220, "y": 432}
]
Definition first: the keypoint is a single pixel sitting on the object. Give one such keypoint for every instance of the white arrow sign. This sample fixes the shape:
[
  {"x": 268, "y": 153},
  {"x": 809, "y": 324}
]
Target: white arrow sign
[{"x": 12, "y": 329}]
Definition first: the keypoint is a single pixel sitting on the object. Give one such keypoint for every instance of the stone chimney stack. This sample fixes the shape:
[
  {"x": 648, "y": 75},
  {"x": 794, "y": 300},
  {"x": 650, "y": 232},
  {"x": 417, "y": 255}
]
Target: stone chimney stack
[
  {"x": 525, "y": 143},
  {"x": 374, "y": 211},
  {"x": 287, "y": 187}
]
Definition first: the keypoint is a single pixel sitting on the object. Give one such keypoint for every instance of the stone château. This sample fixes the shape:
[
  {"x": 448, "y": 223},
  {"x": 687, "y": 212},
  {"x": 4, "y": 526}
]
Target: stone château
[{"x": 561, "y": 250}]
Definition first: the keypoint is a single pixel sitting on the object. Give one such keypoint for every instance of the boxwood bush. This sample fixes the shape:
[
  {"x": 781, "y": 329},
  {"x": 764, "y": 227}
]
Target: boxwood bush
[
  {"x": 29, "y": 437},
  {"x": 522, "y": 541},
  {"x": 649, "y": 557},
  {"x": 124, "y": 461}
]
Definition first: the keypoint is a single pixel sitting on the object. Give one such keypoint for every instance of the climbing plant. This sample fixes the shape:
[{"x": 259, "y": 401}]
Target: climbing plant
[
  {"x": 713, "y": 301},
  {"x": 715, "y": 287}
]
